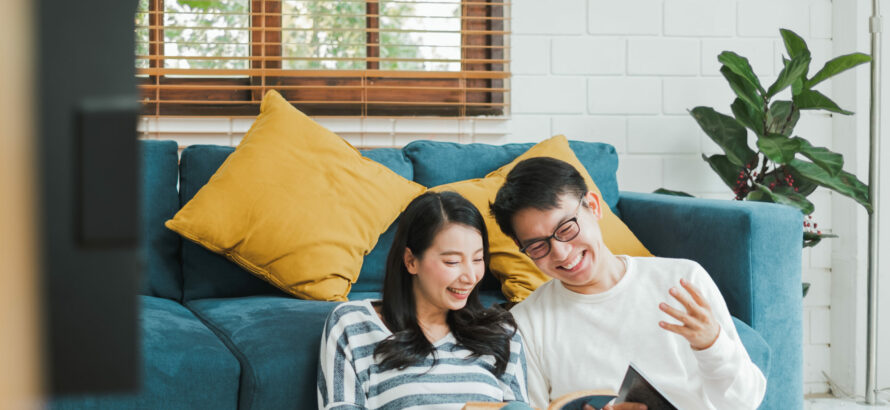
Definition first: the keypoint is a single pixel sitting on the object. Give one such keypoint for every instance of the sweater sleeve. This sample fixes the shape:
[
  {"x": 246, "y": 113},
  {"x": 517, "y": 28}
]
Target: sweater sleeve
[
  {"x": 730, "y": 379},
  {"x": 338, "y": 385},
  {"x": 513, "y": 381},
  {"x": 538, "y": 385}
]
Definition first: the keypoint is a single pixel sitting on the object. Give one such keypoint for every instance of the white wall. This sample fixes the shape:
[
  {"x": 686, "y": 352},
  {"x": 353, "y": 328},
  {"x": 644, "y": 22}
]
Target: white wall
[{"x": 625, "y": 72}]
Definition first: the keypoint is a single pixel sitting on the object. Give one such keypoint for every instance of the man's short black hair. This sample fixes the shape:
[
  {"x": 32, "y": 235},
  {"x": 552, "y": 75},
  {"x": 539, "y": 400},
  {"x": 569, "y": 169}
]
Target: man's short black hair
[{"x": 535, "y": 183}]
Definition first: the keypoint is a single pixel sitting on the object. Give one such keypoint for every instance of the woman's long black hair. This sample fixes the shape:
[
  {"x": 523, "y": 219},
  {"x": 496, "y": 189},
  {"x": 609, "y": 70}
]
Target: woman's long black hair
[{"x": 480, "y": 330}]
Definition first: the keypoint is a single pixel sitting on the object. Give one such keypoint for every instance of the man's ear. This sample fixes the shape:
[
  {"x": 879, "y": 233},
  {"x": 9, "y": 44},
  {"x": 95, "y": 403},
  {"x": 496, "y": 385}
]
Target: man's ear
[
  {"x": 411, "y": 262},
  {"x": 593, "y": 201}
]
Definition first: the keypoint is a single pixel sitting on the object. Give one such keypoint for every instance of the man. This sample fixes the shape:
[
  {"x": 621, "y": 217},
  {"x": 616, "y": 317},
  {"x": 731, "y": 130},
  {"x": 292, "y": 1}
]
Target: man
[{"x": 604, "y": 311}]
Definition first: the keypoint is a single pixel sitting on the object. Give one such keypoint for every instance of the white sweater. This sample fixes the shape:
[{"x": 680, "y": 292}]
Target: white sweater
[{"x": 577, "y": 342}]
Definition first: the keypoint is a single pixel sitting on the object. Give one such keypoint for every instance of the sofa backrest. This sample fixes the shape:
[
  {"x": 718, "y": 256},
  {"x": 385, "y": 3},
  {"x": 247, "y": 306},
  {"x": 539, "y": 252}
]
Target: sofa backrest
[
  {"x": 162, "y": 276},
  {"x": 208, "y": 275},
  {"x": 437, "y": 163}
]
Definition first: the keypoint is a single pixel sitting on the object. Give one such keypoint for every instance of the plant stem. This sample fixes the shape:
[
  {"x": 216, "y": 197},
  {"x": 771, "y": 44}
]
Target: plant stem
[{"x": 762, "y": 174}]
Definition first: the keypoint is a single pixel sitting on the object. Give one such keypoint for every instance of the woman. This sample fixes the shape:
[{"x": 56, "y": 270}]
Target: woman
[{"x": 429, "y": 343}]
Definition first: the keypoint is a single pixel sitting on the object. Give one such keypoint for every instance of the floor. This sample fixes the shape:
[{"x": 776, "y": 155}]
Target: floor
[{"x": 826, "y": 402}]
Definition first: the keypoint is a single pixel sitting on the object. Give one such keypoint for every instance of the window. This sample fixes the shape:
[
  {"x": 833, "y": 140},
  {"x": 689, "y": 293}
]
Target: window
[{"x": 343, "y": 57}]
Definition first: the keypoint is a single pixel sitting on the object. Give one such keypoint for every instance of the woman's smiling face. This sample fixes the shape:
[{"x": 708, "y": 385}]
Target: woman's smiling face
[{"x": 445, "y": 274}]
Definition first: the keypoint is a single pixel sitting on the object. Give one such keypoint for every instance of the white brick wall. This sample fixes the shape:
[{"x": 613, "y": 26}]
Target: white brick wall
[{"x": 626, "y": 72}]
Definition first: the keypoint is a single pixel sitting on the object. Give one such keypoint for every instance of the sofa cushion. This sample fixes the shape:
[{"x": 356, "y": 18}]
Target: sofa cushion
[
  {"x": 162, "y": 275},
  {"x": 204, "y": 273},
  {"x": 438, "y": 163},
  {"x": 184, "y": 365},
  {"x": 295, "y": 205},
  {"x": 276, "y": 339},
  {"x": 374, "y": 264},
  {"x": 209, "y": 275},
  {"x": 758, "y": 349}
]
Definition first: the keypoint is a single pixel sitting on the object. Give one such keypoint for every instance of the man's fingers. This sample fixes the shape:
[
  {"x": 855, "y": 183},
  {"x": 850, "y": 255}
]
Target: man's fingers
[
  {"x": 676, "y": 314},
  {"x": 680, "y": 330},
  {"x": 692, "y": 308},
  {"x": 694, "y": 292}
]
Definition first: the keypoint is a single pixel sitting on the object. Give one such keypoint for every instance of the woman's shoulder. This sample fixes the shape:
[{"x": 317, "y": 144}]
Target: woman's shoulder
[{"x": 352, "y": 312}]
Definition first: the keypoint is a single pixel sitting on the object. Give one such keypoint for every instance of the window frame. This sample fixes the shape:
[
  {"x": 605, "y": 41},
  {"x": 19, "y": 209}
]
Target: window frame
[{"x": 415, "y": 94}]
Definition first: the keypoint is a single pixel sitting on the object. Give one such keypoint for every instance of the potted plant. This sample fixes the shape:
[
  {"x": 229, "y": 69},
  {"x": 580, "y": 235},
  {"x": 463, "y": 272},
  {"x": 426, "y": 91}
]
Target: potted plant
[{"x": 783, "y": 168}]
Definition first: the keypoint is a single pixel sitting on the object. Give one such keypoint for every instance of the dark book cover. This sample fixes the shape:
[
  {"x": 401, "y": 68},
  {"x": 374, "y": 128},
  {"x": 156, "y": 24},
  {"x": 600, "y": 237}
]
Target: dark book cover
[{"x": 636, "y": 389}]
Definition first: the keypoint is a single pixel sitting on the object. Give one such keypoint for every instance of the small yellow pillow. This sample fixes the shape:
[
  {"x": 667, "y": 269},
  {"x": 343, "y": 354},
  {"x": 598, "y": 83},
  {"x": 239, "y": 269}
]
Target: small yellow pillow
[
  {"x": 295, "y": 204},
  {"x": 517, "y": 272}
]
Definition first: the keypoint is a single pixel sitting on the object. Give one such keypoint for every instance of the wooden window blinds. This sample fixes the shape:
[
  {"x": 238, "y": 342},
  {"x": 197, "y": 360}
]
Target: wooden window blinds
[{"x": 327, "y": 57}]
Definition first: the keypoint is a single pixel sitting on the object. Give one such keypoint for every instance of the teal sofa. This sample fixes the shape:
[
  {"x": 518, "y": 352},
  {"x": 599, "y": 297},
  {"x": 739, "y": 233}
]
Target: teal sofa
[{"x": 213, "y": 336}]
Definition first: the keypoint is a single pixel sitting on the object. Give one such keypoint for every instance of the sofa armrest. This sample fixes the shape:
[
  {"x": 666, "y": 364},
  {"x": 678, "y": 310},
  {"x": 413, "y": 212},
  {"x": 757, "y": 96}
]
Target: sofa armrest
[{"x": 752, "y": 250}]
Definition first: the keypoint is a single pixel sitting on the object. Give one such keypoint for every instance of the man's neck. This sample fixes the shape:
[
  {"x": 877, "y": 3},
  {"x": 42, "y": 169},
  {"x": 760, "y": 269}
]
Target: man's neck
[{"x": 609, "y": 274}]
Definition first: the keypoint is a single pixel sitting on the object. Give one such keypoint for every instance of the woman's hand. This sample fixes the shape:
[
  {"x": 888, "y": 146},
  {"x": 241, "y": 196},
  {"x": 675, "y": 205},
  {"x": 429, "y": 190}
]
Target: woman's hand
[{"x": 698, "y": 324}]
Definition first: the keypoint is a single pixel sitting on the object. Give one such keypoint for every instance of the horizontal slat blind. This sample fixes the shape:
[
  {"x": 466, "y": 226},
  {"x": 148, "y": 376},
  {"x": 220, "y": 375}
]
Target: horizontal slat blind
[{"x": 343, "y": 57}]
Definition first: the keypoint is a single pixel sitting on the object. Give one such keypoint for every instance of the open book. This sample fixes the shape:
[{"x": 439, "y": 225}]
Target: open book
[{"x": 634, "y": 388}]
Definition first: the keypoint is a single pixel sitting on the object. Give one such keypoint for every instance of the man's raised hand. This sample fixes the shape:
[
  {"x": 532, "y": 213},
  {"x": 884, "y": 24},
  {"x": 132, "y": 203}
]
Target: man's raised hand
[{"x": 697, "y": 323}]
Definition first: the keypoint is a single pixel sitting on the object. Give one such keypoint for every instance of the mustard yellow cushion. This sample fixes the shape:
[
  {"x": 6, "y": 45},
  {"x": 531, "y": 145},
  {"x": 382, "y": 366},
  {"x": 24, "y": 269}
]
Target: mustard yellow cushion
[
  {"x": 517, "y": 272},
  {"x": 295, "y": 204}
]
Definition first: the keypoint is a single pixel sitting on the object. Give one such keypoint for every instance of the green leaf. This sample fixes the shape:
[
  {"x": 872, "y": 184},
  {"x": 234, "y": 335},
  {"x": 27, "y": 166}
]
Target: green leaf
[
  {"x": 814, "y": 100},
  {"x": 726, "y": 170},
  {"x": 728, "y": 133},
  {"x": 838, "y": 65},
  {"x": 794, "y": 43},
  {"x": 843, "y": 183},
  {"x": 793, "y": 199},
  {"x": 778, "y": 148},
  {"x": 671, "y": 192},
  {"x": 821, "y": 156},
  {"x": 758, "y": 196},
  {"x": 776, "y": 178},
  {"x": 741, "y": 67},
  {"x": 794, "y": 70},
  {"x": 797, "y": 86},
  {"x": 747, "y": 116},
  {"x": 782, "y": 117},
  {"x": 804, "y": 186},
  {"x": 743, "y": 89}
]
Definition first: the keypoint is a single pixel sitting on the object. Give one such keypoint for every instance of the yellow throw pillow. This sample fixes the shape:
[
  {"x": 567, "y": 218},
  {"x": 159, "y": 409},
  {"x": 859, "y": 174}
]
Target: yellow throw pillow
[
  {"x": 517, "y": 272},
  {"x": 295, "y": 204}
]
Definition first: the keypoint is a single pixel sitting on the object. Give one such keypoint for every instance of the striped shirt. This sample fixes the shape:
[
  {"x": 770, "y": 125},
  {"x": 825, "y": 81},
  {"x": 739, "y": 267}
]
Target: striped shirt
[{"x": 349, "y": 376}]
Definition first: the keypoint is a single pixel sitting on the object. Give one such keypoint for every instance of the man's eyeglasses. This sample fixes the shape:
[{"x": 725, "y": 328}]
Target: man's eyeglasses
[{"x": 565, "y": 232}]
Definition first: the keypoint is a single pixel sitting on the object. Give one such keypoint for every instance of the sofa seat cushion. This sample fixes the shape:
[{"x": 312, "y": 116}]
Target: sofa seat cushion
[
  {"x": 276, "y": 339},
  {"x": 758, "y": 349},
  {"x": 184, "y": 365}
]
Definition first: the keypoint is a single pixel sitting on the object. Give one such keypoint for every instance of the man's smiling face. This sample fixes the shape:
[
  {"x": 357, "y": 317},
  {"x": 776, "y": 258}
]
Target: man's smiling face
[{"x": 577, "y": 262}]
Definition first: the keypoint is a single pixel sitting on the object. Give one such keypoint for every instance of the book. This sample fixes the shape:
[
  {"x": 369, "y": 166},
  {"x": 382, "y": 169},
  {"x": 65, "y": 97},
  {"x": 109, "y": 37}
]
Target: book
[{"x": 635, "y": 388}]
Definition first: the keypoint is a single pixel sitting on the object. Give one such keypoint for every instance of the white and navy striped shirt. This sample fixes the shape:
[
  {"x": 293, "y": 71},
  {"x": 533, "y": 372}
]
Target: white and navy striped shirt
[{"x": 349, "y": 377}]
